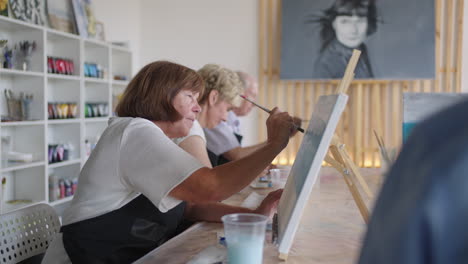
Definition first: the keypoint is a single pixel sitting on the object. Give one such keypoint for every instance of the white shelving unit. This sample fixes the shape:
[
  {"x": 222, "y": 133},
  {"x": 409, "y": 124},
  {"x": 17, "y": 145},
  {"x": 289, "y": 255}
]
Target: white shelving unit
[{"x": 27, "y": 183}]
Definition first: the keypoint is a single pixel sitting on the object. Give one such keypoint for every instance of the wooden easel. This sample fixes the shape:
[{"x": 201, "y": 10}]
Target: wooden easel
[{"x": 339, "y": 158}]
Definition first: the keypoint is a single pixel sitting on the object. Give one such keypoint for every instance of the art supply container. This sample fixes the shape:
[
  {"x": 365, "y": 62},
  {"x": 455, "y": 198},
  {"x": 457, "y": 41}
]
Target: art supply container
[
  {"x": 245, "y": 235},
  {"x": 279, "y": 177}
]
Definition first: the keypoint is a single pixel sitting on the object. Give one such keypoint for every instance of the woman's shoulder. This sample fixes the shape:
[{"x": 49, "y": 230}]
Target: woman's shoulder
[
  {"x": 196, "y": 130},
  {"x": 133, "y": 127}
]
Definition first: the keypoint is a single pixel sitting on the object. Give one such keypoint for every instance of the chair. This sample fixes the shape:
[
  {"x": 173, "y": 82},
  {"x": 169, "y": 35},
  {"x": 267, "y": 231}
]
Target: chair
[{"x": 27, "y": 232}]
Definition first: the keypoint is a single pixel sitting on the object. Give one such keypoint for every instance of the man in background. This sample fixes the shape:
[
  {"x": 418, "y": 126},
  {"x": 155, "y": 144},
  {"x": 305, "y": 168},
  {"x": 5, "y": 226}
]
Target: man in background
[{"x": 224, "y": 141}]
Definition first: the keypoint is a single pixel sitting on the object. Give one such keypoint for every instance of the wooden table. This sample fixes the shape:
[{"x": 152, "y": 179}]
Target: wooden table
[{"x": 331, "y": 227}]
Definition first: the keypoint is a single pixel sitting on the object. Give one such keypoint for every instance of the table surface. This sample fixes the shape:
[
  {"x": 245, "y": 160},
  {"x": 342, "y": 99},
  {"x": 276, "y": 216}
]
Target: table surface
[{"x": 331, "y": 228}]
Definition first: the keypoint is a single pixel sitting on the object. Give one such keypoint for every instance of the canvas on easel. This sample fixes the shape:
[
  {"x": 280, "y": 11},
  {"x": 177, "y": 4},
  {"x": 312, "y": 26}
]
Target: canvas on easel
[
  {"x": 318, "y": 139},
  {"x": 306, "y": 167},
  {"x": 419, "y": 106}
]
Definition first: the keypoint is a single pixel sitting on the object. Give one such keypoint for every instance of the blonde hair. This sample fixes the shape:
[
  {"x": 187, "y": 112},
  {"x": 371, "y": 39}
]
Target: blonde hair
[{"x": 225, "y": 81}]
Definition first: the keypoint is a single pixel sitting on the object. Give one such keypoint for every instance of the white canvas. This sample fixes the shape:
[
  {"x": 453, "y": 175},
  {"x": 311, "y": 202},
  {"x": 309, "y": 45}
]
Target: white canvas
[
  {"x": 307, "y": 165},
  {"x": 419, "y": 106}
]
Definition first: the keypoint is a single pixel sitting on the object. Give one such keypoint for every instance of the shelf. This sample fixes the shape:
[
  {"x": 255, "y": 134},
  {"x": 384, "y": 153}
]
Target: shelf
[
  {"x": 96, "y": 80},
  {"x": 8, "y": 166},
  {"x": 63, "y": 121},
  {"x": 13, "y": 72},
  {"x": 64, "y": 163},
  {"x": 97, "y": 43},
  {"x": 55, "y": 34},
  {"x": 61, "y": 201},
  {"x": 96, "y": 119},
  {"x": 54, "y": 76},
  {"x": 122, "y": 83},
  {"x": 13, "y": 207},
  {"x": 22, "y": 123},
  {"x": 120, "y": 49},
  {"x": 29, "y": 180},
  {"x": 11, "y": 24}
]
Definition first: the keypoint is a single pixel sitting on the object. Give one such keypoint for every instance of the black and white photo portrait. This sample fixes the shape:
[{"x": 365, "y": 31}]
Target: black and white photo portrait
[{"x": 396, "y": 38}]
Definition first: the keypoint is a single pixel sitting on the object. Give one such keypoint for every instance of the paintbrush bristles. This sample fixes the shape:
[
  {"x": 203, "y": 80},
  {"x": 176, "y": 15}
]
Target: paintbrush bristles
[{"x": 383, "y": 149}]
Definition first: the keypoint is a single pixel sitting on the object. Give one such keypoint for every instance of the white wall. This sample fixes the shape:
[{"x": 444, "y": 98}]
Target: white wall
[
  {"x": 122, "y": 22},
  {"x": 194, "y": 33},
  {"x": 189, "y": 32}
]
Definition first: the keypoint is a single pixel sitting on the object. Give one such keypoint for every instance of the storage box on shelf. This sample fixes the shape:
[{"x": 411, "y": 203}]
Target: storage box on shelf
[
  {"x": 63, "y": 99},
  {"x": 96, "y": 60},
  {"x": 96, "y": 100},
  {"x": 63, "y": 182},
  {"x": 22, "y": 96},
  {"x": 63, "y": 54},
  {"x": 53, "y": 103},
  {"x": 19, "y": 32},
  {"x": 63, "y": 142}
]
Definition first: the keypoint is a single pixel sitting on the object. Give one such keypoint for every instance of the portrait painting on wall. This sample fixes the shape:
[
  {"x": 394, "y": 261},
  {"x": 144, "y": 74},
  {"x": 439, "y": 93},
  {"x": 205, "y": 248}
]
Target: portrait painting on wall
[{"x": 396, "y": 38}]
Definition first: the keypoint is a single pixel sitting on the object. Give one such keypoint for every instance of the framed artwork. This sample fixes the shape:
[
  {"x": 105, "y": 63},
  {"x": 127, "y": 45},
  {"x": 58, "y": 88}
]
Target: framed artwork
[
  {"x": 60, "y": 13},
  {"x": 4, "y": 8},
  {"x": 100, "y": 34},
  {"x": 31, "y": 11},
  {"x": 91, "y": 18},
  {"x": 396, "y": 38},
  {"x": 18, "y": 9},
  {"x": 304, "y": 172},
  {"x": 81, "y": 18}
]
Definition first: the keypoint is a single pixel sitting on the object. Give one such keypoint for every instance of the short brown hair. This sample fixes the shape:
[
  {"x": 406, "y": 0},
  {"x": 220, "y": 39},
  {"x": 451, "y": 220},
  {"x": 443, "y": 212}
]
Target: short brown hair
[{"x": 150, "y": 93}]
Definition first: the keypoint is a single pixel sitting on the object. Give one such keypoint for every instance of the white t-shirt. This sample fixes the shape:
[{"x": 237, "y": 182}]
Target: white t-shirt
[
  {"x": 196, "y": 130},
  {"x": 221, "y": 138},
  {"x": 133, "y": 157}
]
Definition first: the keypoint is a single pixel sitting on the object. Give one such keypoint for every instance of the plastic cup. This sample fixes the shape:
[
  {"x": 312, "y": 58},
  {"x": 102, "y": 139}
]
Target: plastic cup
[
  {"x": 279, "y": 177},
  {"x": 245, "y": 235}
]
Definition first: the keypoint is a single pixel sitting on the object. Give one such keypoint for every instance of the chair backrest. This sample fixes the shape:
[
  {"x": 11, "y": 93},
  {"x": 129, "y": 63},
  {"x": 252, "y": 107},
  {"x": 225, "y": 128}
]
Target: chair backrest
[{"x": 27, "y": 232}]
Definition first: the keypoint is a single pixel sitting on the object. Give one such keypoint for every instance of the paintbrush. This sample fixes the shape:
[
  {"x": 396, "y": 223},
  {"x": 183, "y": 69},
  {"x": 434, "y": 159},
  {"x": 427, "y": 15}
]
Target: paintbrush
[
  {"x": 383, "y": 149},
  {"x": 268, "y": 111}
]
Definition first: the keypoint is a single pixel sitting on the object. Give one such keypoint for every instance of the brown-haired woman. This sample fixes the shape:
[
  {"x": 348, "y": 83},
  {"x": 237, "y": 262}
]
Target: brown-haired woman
[{"x": 138, "y": 187}]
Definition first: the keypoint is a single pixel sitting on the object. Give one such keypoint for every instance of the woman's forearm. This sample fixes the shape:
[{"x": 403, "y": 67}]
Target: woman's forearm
[
  {"x": 212, "y": 212},
  {"x": 216, "y": 184}
]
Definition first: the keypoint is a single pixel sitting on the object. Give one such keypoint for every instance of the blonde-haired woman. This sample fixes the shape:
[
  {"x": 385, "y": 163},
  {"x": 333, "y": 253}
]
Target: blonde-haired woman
[{"x": 222, "y": 89}]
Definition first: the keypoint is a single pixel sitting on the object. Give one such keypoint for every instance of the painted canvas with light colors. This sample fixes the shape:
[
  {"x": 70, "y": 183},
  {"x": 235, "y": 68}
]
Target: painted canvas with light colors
[
  {"x": 306, "y": 167},
  {"x": 419, "y": 106}
]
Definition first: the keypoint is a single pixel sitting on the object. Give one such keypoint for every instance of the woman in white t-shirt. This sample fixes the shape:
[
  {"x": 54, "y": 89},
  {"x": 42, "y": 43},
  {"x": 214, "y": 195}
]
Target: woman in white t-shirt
[{"x": 137, "y": 188}]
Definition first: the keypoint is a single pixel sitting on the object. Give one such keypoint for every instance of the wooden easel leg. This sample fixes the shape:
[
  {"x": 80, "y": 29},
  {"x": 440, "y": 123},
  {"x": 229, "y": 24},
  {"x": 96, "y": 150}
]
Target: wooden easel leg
[
  {"x": 355, "y": 170},
  {"x": 283, "y": 256},
  {"x": 349, "y": 181}
]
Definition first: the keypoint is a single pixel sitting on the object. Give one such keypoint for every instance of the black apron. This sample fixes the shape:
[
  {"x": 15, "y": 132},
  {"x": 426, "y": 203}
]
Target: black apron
[
  {"x": 220, "y": 160},
  {"x": 123, "y": 235}
]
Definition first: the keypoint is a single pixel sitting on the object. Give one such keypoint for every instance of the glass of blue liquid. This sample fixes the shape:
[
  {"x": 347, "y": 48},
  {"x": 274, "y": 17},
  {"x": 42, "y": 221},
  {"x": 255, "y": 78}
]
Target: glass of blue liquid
[{"x": 245, "y": 235}]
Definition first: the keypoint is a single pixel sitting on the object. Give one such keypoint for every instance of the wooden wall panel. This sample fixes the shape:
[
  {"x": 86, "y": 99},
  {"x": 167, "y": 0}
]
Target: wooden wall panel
[{"x": 373, "y": 104}]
